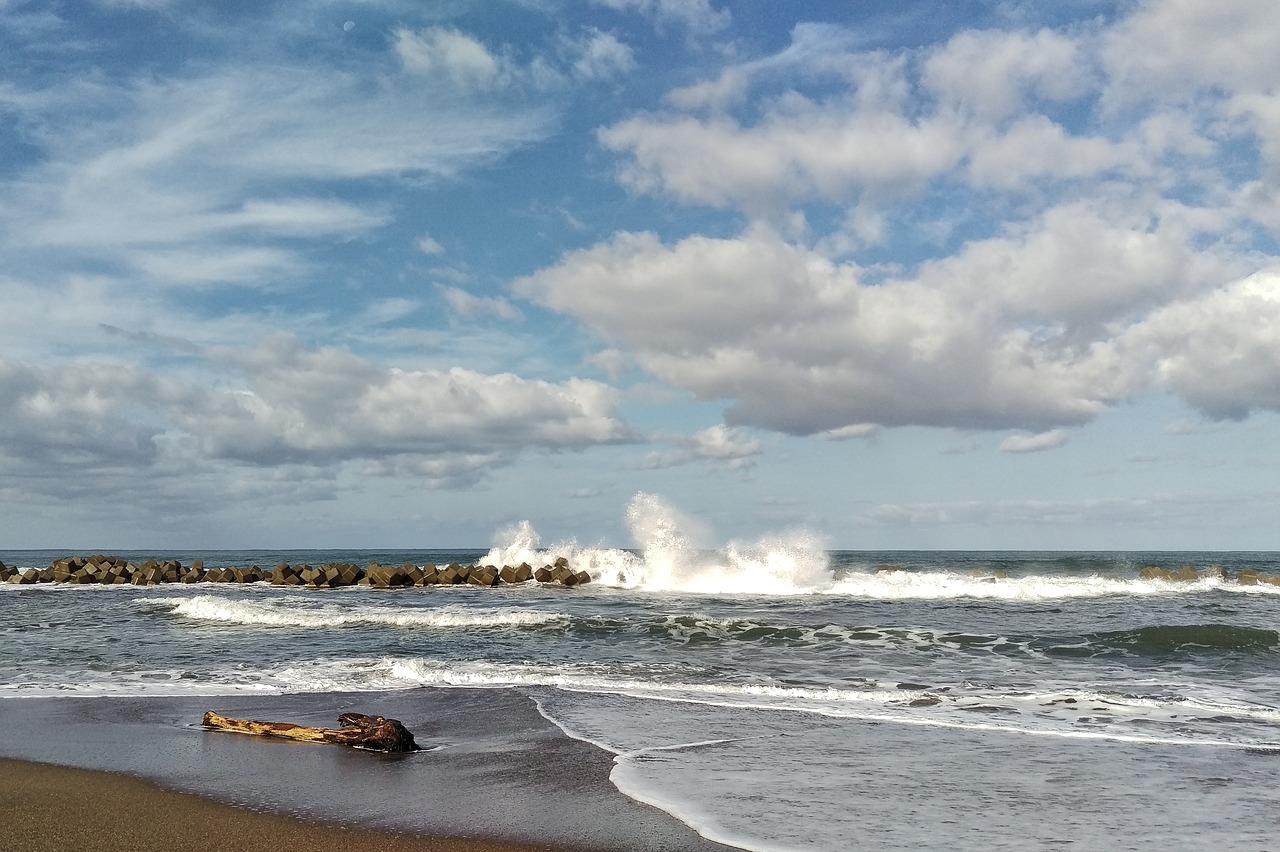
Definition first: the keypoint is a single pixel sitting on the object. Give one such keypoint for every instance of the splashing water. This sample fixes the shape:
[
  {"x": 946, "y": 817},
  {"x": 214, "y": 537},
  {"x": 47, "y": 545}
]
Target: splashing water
[{"x": 670, "y": 557}]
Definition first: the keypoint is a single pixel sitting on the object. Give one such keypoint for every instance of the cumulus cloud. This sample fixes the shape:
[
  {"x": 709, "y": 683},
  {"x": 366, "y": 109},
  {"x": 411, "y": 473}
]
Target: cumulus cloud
[
  {"x": 1220, "y": 351},
  {"x": 329, "y": 405},
  {"x": 1169, "y": 49},
  {"x": 1106, "y": 253},
  {"x": 721, "y": 444},
  {"x": 291, "y": 406},
  {"x": 75, "y": 419},
  {"x": 993, "y": 74},
  {"x": 1043, "y": 328}
]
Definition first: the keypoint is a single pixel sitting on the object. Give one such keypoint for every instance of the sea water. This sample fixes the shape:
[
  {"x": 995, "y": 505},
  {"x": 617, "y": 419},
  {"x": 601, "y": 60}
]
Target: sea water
[{"x": 773, "y": 695}]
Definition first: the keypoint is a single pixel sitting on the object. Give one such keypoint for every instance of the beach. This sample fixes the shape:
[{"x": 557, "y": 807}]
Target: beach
[
  {"x": 53, "y": 809},
  {"x": 684, "y": 702},
  {"x": 142, "y": 774}
]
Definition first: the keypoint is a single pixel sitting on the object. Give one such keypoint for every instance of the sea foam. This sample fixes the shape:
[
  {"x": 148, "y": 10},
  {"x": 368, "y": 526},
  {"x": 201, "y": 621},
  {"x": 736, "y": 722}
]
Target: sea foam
[{"x": 290, "y": 613}]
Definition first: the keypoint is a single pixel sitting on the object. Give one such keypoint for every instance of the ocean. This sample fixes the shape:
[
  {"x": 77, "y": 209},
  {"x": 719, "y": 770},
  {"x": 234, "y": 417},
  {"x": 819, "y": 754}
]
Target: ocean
[{"x": 772, "y": 695}]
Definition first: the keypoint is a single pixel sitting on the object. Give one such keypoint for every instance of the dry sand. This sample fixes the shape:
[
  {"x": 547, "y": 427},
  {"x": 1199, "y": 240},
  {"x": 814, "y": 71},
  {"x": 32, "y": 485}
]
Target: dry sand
[{"x": 55, "y": 809}]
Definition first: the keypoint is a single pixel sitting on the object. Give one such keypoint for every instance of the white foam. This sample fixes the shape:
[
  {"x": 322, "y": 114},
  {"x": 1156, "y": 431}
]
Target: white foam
[
  {"x": 672, "y": 557},
  {"x": 290, "y": 613},
  {"x": 944, "y": 585}
]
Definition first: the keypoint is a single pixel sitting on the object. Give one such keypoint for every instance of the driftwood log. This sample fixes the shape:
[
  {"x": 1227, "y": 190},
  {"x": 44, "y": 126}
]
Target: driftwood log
[{"x": 358, "y": 731}]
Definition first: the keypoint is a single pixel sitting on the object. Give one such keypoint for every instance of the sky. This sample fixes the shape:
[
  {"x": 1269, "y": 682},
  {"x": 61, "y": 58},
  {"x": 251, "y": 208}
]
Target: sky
[{"x": 393, "y": 274}]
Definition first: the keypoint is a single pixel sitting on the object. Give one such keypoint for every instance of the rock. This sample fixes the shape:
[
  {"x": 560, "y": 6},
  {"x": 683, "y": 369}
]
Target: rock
[
  {"x": 544, "y": 574},
  {"x": 453, "y": 574},
  {"x": 430, "y": 575},
  {"x": 483, "y": 575},
  {"x": 386, "y": 577},
  {"x": 285, "y": 574},
  {"x": 522, "y": 573},
  {"x": 148, "y": 576}
]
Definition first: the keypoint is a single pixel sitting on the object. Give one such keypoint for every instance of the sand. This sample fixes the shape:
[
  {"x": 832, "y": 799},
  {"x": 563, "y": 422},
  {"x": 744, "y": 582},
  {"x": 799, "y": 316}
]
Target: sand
[
  {"x": 55, "y": 809},
  {"x": 143, "y": 774}
]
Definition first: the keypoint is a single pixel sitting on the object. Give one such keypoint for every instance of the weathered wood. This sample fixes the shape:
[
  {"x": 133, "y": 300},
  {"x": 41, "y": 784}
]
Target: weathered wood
[{"x": 358, "y": 731}]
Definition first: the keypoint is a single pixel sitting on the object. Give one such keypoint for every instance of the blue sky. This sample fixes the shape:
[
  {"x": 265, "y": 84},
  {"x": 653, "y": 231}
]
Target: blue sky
[{"x": 403, "y": 274}]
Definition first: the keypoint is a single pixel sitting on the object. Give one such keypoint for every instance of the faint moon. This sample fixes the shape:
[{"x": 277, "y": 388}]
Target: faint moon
[{"x": 348, "y": 26}]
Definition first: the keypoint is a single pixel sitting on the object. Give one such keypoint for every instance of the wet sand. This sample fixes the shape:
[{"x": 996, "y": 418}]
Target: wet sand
[{"x": 494, "y": 775}]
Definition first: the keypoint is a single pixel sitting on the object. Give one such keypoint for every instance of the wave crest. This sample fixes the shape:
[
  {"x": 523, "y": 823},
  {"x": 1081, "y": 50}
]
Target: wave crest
[{"x": 290, "y": 614}]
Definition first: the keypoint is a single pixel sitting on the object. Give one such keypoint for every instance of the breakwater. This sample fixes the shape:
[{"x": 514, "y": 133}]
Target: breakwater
[{"x": 113, "y": 570}]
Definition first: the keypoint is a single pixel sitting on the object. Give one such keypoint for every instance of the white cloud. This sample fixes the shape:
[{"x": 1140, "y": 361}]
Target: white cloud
[
  {"x": 1169, "y": 49},
  {"x": 294, "y": 406},
  {"x": 212, "y": 266},
  {"x": 601, "y": 56},
  {"x": 992, "y": 74},
  {"x": 699, "y": 16},
  {"x": 796, "y": 343},
  {"x": 1034, "y": 149},
  {"x": 849, "y": 433},
  {"x": 1042, "y": 328},
  {"x": 429, "y": 246},
  {"x": 1023, "y": 443},
  {"x": 1220, "y": 351},
  {"x": 450, "y": 53},
  {"x": 799, "y": 150},
  {"x": 722, "y": 444}
]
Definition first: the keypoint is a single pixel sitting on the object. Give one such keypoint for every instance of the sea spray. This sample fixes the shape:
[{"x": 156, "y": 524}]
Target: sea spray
[{"x": 673, "y": 555}]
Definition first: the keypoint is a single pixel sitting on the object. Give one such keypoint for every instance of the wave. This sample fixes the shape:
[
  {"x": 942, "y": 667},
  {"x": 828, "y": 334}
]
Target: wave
[
  {"x": 290, "y": 614},
  {"x": 1171, "y": 638},
  {"x": 672, "y": 555},
  {"x": 1157, "y": 642},
  {"x": 1155, "y": 717},
  {"x": 1159, "y": 715}
]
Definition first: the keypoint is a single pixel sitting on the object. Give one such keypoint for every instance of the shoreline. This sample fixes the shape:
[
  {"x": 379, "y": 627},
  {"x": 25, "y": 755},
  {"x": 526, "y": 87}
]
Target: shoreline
[{"x": 495, "y": 777}]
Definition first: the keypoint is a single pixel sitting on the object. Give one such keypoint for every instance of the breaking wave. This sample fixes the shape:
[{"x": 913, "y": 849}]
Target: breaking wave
[
  {"x": 212, "y": 608},
  {"x": 669, "y": 557}
]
